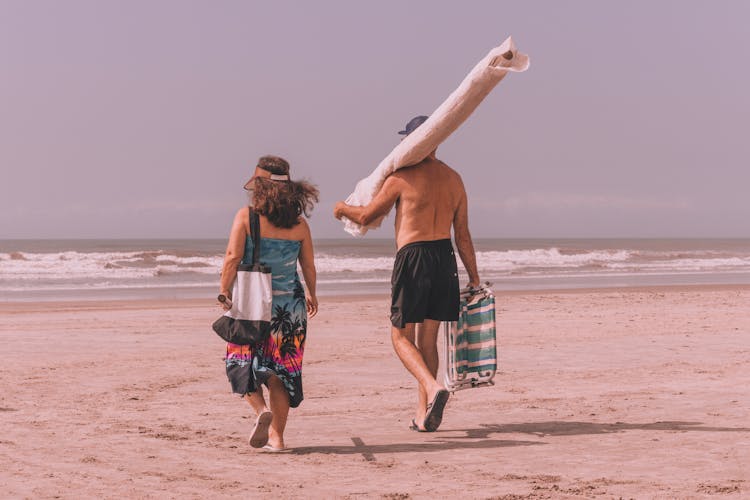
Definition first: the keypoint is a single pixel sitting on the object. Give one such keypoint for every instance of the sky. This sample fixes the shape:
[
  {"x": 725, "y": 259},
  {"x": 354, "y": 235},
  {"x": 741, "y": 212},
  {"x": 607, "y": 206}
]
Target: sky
[{"x": 143, "y": 119}]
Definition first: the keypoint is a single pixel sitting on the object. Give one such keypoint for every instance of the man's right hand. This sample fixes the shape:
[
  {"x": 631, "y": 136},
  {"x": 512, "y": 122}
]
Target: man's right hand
[{"x": 338, "y": 209}]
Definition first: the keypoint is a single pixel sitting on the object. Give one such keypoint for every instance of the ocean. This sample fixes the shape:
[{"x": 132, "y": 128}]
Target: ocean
[{"x": 46, "y": 270}]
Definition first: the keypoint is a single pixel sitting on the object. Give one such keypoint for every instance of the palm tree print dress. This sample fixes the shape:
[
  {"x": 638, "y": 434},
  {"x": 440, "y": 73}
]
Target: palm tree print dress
[{"x": 281, "y": 354}]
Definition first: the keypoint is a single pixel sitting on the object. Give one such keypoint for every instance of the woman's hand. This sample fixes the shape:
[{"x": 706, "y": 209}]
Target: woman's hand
[
  {"x": 225, "y": 304},
  {"x": 312, "y": 306}
]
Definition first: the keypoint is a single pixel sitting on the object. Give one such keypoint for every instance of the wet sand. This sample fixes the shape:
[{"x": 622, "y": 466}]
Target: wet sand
[{"x": 636, "y": 393}]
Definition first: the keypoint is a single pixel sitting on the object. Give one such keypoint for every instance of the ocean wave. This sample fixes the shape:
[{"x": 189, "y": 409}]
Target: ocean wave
[
  {"x": 505, "y": 260},
  {"x": 683, "y": 264},
  {"x": 510, "y": 260},
  {"x": 140, "y": 268},
  {"x": 72, "y": 265},
  {"x": 62, "y": 287},
  {"x": 334, "y": 264}
]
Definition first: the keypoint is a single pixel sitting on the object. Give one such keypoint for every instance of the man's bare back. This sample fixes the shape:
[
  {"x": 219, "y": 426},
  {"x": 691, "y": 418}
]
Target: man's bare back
[
  {"x": 429, "y": 195},
  {"x": 430, "y": 198}
]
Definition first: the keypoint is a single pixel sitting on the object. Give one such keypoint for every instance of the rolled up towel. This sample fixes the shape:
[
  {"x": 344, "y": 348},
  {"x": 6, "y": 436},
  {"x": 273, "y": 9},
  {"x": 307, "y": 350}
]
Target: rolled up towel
[{"x": 441, "y": 124}]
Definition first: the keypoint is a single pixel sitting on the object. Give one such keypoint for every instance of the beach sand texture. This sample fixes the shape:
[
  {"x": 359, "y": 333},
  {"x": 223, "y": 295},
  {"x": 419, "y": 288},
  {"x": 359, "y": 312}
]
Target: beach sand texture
[{"x": 623, "y": 393}]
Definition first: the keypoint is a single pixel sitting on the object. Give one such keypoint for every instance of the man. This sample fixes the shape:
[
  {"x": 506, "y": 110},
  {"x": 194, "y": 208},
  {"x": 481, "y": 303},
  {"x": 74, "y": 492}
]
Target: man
[{"x": 430, "y": 199}]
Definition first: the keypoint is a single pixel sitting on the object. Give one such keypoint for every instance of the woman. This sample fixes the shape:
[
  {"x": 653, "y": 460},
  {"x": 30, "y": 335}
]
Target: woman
[{"x": 284, "y": 240}]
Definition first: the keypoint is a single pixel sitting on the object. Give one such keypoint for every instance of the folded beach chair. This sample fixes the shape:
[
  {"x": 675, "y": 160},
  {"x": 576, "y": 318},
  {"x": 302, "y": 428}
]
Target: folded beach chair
[{"x": 470, "y": 346}]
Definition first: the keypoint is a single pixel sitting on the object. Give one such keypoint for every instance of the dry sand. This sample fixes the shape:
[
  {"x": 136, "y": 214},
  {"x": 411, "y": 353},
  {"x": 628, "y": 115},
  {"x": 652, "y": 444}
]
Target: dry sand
[{"x": 618, "y": 393}]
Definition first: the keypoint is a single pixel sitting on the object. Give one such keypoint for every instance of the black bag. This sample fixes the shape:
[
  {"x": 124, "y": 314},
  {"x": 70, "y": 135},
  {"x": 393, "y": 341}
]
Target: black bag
[{"x": 248, "y": 321}]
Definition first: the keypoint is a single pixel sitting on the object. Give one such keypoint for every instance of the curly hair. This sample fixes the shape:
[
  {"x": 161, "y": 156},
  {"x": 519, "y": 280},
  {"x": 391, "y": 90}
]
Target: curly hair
[{"x": 282, "y": 202}]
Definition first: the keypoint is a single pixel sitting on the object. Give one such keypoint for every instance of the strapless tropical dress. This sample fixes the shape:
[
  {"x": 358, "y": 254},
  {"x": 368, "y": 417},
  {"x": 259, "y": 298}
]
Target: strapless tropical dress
[{"x": 281, "y": 354}]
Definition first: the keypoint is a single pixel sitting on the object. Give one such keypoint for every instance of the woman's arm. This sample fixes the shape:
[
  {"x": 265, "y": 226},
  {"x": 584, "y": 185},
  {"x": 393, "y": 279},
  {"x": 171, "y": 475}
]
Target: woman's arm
[
  {"x": 307, "y": 263},
  {"x": 234, "y": 253}
]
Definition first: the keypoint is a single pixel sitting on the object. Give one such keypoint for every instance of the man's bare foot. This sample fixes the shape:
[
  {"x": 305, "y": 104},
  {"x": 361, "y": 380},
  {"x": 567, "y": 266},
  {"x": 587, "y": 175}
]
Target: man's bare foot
[{"x": 415, "y": 427}]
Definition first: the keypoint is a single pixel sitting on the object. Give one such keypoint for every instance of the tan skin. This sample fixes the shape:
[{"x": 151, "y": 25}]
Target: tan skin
[
  {"x": 430, "y": 199},
  {"x": 277, "y": 397}
]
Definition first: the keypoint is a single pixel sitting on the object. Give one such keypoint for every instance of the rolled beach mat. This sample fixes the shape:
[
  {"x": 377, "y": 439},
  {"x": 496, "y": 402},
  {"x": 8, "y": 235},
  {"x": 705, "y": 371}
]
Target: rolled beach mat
[{"x": 459, "y": 105}]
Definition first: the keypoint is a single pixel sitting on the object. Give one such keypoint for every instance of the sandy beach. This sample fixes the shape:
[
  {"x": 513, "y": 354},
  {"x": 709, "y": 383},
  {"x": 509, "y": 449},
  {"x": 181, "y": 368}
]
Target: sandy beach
[{"x": 633, "y": 393}]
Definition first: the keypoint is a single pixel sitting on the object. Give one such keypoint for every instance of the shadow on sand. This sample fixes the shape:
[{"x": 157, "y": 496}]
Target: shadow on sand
[
  {"x": 542, "y": 429},
  {"x": 441, "y": 442}
]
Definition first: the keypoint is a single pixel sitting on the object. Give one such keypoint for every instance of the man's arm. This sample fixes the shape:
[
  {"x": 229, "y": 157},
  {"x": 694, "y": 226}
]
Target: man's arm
[
  {"x": 463, "y": 240},
  {"x": 378, "y": 207}
]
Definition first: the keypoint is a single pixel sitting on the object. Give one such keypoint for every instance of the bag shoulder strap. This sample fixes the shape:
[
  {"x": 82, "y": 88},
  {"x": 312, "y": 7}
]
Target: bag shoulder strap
[{"x": 255, "y": 233}]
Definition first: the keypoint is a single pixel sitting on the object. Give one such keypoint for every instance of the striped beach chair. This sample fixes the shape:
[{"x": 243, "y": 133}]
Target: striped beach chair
[{"x": 470, "y": 346}]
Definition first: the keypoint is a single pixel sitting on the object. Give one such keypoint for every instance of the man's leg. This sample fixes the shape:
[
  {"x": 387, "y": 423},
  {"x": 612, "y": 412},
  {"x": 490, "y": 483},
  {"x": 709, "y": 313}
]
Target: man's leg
[
  {"x": 426, "y": 343},
  {"x": 411, "y": 357}
]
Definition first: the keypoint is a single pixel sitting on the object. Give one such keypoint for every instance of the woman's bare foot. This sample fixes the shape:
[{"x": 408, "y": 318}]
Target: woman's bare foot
[{"x": 275, "y": 441}]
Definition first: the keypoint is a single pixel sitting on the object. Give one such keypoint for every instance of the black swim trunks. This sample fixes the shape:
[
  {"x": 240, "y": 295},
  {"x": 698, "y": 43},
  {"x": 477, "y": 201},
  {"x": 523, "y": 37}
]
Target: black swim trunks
[{"x": 424, "y": 283}]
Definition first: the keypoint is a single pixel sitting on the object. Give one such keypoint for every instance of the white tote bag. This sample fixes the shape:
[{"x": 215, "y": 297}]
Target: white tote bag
[{"x": 248, "y": 322}]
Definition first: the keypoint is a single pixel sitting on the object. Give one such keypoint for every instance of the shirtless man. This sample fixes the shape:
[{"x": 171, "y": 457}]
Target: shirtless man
[{"x": 430, "y": 199}]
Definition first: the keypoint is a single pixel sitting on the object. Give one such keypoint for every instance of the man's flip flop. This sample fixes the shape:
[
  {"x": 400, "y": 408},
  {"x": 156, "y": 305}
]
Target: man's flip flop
[
  {"x": 434, "y": 415},
  {"x": 415, "y": 427},
  {"x": 259, "y": 436}
]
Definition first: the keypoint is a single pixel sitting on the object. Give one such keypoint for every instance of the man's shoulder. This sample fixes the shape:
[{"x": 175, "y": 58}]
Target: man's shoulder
[
  {"x": 441, "y": 170},
  {"x": 427, "y": 167},
  {"x": 449, "y": 169}
]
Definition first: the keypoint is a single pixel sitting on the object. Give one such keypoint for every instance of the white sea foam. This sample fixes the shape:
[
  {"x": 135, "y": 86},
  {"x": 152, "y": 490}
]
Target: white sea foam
[
  {"x": 510, "y": 260},
  {"x": 113, "y": 265},
  {"x": 342, "y": 265},
  {"x": 332, "y": 264},
  {"x": 507, "y": 260},
  {"x": 72, "y": 265},
  {"x": 706, "y": 264}
]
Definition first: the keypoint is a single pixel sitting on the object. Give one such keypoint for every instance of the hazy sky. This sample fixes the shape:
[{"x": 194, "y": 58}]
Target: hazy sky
[{"x": 145, "y": 118}]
